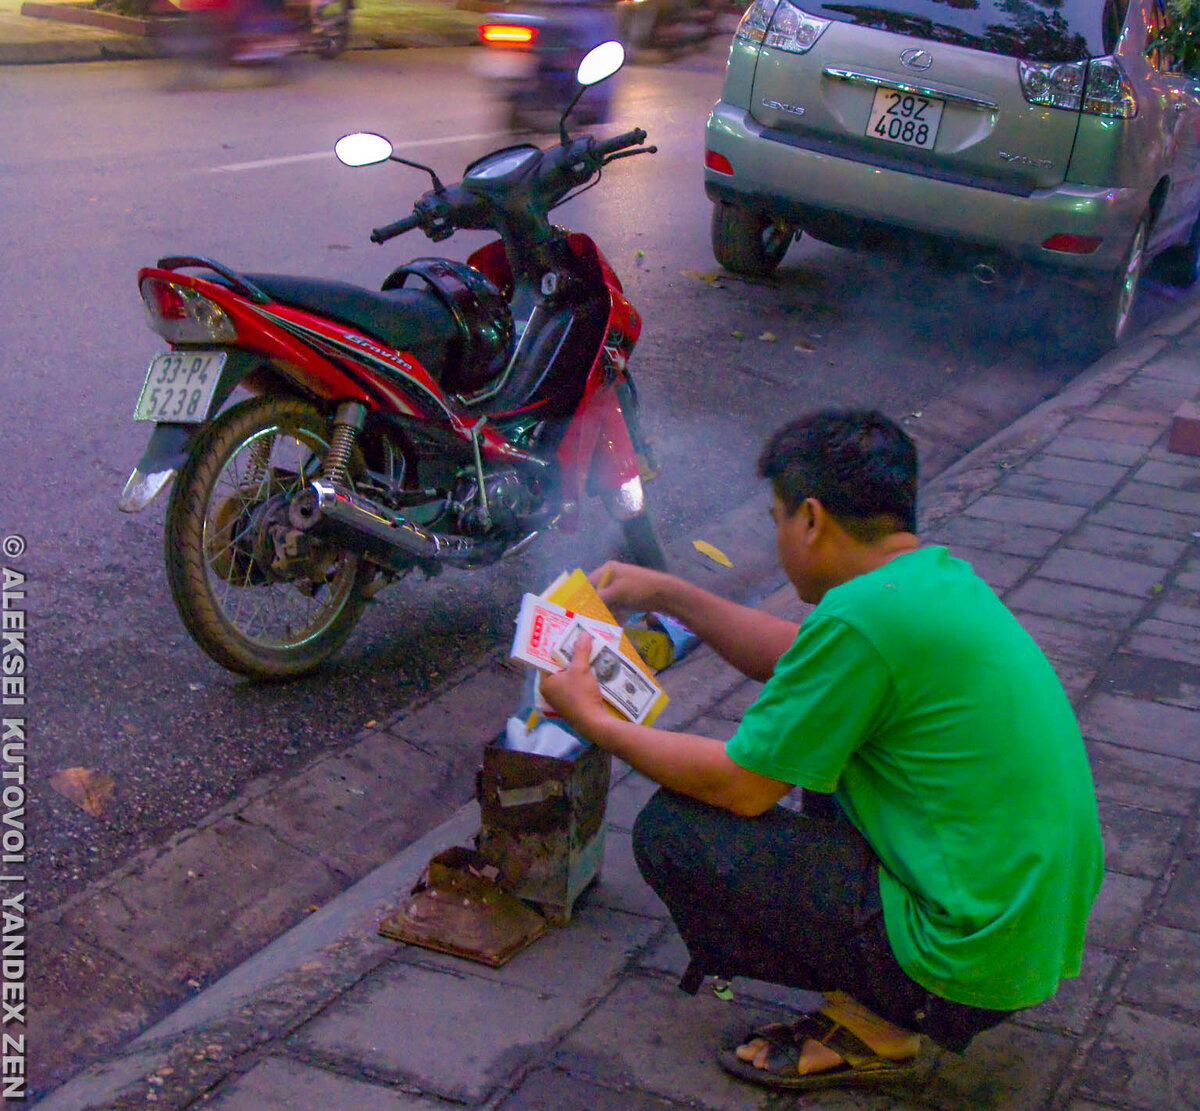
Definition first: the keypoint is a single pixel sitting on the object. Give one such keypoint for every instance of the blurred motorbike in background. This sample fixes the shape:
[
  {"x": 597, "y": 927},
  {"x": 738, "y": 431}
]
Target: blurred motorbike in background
[
  {"x": 671, "y": 25},
  {"x": 531, "y": 55},
  {"x": 211, "y": 35}
]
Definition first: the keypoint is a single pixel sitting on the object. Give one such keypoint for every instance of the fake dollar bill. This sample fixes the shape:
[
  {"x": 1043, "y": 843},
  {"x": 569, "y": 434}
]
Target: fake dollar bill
[
  {"x": 622, "y": 684},
  {"x": 545, "y": 637}
]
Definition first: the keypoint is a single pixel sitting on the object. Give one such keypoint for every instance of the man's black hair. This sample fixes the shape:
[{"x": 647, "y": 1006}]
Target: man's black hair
[{"x": 861, "y": 466}]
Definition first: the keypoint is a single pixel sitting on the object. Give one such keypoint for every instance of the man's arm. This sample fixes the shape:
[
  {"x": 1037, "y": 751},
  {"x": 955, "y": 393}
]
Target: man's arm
[
  {"x": 684, "y": 762},
  {"x": 746, "y": 638}
]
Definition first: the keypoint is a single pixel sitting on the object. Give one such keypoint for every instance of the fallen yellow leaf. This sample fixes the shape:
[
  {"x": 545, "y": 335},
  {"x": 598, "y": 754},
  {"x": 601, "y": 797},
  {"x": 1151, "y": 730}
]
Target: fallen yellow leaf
[
  {"x": 713, "y": 553},
  {"x": 768, "y": 337},
  {"x": 87, "y": 789},
  {"x": 700, "y": 275}
]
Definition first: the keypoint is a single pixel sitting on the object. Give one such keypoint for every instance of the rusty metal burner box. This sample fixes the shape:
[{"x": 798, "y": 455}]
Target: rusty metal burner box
[{"x": 542, "y": 816}]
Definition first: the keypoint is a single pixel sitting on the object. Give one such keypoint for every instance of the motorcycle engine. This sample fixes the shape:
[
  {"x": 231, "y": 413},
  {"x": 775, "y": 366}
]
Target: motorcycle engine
[{"x": 510, "y": 501}]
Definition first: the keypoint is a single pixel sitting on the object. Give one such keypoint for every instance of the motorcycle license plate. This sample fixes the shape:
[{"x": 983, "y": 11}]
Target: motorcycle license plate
[
  {"x": 906, "y": 118},
  {"x": 180, "y": 386}
]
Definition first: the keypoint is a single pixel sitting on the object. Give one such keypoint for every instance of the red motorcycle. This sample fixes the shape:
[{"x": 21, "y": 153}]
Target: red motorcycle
[{"x": 442, "y": 422}]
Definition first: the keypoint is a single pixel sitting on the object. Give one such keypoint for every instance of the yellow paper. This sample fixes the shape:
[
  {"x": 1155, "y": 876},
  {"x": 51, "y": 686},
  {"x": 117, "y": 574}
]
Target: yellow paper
[
  {"x": 713, "y": 553},
  {"x": 574, "y": 592}
]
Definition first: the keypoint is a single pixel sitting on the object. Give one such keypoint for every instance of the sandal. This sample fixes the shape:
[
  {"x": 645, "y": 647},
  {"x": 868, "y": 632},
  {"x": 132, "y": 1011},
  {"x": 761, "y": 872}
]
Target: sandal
[{"x": 860, "y": 1065}]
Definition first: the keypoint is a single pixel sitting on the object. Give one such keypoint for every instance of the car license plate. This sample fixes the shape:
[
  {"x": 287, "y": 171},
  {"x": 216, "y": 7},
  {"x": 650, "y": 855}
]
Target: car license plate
[
  {"x": 503, "y": 64},
  {"x": 906, "y": 118},
  {"x": 180, "y": 386}
]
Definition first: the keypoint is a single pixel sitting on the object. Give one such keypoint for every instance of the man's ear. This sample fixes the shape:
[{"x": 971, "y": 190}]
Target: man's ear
[{"x": 814, "y": 516}]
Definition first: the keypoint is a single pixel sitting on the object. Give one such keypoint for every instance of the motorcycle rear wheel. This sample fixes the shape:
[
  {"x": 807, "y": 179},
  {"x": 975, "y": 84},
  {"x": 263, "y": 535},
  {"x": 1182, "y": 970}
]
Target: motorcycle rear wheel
[{"x": 250, "y": 614}]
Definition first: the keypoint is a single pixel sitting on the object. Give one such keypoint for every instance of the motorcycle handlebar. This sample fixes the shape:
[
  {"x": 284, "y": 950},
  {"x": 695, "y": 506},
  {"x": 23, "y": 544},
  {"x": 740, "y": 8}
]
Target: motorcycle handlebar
[
  {"x": 390, "y": 231},
  {"x": 632, "y": 138}
]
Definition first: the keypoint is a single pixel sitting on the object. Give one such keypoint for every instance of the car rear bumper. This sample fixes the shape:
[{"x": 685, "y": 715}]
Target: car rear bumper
[{"x": 801, "y": 184}]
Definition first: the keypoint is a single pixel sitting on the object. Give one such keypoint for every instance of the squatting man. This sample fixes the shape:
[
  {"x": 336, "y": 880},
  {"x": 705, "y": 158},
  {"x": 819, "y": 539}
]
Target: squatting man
[{"x": 939, "y": 871}]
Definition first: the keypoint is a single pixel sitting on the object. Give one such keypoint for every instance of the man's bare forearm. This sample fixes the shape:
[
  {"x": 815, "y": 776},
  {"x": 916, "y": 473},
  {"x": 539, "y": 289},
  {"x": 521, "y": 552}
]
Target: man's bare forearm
[
  {"x": 746, "y": 638},
  {"x": 685, "y": 762}
]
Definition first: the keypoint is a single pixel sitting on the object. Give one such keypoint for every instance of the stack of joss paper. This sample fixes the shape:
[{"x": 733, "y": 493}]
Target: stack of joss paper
[{"x": 548, "y": 626}]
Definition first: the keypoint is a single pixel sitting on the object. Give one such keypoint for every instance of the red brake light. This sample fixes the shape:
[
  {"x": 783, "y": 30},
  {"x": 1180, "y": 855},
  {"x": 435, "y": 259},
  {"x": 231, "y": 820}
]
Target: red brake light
[
  {"x": 181, "y": 314},
  {"x": 166, "y": 297},
  {"x": 507, "y": 33},
  {"x": 717, "y": 162},
  {"x": 1073, "y": 244}
]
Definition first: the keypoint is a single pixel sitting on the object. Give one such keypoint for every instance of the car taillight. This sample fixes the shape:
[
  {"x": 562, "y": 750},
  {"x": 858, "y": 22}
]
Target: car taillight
[
  {"x": 1108, "y": 92},
  {"x": 507, "y": 34},
  {"x": 718, "y": 162},
  {"x": 1097, "y": 88},
  {"x": 181, "y": 314},
  {"x": 781, "y": 25}
]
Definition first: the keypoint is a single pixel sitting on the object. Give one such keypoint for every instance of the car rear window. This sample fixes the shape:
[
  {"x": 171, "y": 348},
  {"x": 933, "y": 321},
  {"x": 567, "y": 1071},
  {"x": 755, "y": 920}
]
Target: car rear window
[{"x": 1037, "y": 30}]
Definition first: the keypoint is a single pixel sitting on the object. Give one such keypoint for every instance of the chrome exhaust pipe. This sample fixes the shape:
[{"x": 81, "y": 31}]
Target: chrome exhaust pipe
[
  {"x": 332, "y": 511},
  {"x": 985, "y": 273}
]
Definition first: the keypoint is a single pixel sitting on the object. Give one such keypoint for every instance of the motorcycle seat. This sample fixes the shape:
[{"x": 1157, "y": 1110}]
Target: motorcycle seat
[{"x": 411, "y": 320}]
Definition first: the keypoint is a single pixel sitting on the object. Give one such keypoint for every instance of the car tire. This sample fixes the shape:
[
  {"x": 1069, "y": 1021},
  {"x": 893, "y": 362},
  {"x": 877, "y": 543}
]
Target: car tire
[
  {"x": 1110, "y": 325},
  {"x": 748, "y": 242},
  {"x": 1180, "y": 265}
]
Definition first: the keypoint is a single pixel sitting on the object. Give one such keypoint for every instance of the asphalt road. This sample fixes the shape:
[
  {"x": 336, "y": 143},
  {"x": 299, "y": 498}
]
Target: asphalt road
[{"x": 104, "y": 171}]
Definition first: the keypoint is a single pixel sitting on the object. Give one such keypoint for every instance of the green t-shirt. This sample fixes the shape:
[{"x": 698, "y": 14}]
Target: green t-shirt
[{"x": 914, "y": 695}]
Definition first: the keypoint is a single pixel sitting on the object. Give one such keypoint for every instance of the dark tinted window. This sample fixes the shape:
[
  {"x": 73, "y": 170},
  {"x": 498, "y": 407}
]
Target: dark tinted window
[{"x": 1038, "y": 30}]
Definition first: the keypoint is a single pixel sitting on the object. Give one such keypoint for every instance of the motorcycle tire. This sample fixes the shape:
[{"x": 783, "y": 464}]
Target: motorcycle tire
[
  {"x": 642, "y": 543},
  {"x": 225, "y": 523}
]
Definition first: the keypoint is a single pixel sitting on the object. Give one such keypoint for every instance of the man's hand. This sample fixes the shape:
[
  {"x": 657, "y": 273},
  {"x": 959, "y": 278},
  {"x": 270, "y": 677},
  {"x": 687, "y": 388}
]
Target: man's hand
[
  {"x": 574, "y": 693},
  {"x": 626, "y": 588}
]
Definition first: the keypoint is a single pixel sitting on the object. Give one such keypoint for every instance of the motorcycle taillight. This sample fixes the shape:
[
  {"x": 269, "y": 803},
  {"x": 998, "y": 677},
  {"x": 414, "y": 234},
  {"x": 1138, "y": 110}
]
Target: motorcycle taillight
[
  {"x": 181, "y": 314},
  {"x": 507, "y": 34}
]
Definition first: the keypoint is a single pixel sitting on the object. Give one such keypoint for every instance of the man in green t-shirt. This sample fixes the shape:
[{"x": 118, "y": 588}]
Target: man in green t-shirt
[{"x": 939, "y": 872}]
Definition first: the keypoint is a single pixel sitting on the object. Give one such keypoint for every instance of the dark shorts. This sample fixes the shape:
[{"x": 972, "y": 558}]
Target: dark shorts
[{"x": 789, "y": 898}]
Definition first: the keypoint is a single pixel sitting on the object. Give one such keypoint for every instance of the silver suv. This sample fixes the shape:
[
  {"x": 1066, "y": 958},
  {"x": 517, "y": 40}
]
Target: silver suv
[{"x": 1018, "y": 131}]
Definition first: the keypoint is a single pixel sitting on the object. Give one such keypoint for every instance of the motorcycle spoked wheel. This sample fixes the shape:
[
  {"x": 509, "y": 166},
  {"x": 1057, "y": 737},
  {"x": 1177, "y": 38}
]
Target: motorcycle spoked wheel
[{"x": 267, "y": 623}]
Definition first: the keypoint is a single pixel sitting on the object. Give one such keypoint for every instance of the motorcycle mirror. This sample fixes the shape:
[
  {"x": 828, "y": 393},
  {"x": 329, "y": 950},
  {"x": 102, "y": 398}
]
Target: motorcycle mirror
[
  {"x": 600, "y": 62},
  {"x": 362, "y": 149}
]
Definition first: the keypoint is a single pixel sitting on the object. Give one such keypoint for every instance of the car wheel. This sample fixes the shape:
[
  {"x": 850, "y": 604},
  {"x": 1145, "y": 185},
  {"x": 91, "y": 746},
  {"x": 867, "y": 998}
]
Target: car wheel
[
  {"x": 1115, "y": 310},
  {"x": 1180, "y": 265},
  {"x": 749, "y": 242}
]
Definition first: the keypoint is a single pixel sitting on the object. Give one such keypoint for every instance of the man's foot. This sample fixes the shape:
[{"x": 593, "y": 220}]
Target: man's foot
[{"x": 842, "y": 1044}]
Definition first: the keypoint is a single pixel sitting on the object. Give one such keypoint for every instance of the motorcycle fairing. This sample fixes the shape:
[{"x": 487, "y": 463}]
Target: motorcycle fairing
[
  {"x": 597, "y": 440},
  {"x": 340, "y": 363},
  {"x": 330, "y": 352}
]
